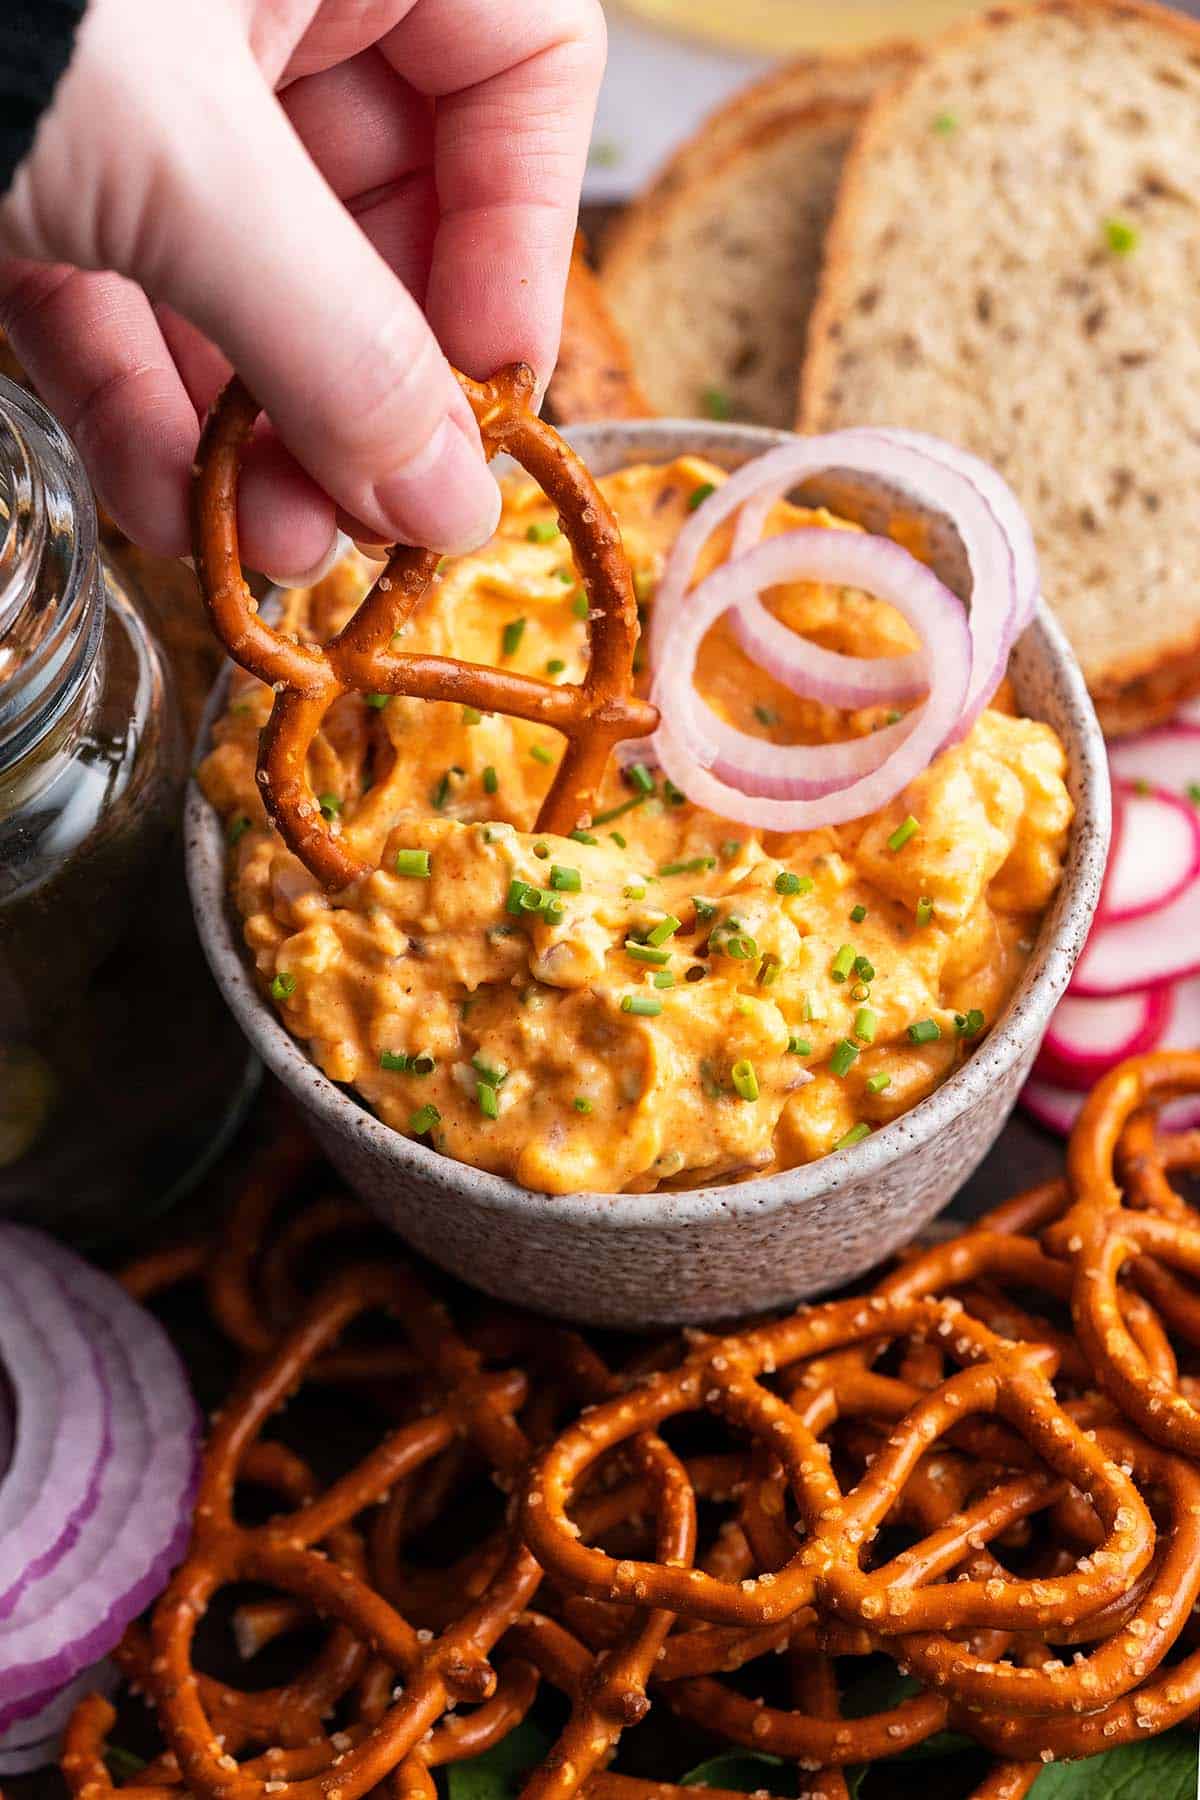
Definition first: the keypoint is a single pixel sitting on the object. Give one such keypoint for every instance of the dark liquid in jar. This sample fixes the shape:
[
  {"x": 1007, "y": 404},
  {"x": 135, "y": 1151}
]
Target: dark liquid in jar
[{"x": 119, "y": 1064}]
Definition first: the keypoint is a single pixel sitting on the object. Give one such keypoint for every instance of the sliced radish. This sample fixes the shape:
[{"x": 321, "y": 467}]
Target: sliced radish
[
  {"x": 1053, "y": 1107},
  {"x": 1168, "y": 757},
  {"x": 1086, "y": 1038},
  {"x": 1057, "y": 1108},
  {"x": 1181, "y": 1029},
  {"x": 1156, "y": 854},
  {"x": 1138, "y": 953}
]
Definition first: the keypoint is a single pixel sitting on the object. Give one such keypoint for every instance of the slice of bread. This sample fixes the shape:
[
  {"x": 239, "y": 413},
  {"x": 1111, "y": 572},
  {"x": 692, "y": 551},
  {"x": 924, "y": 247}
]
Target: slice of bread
[
  {"x": 710, "y": 274},
  {"x": 1015, "y": 264},
  {"x": 593, "y": 378}
]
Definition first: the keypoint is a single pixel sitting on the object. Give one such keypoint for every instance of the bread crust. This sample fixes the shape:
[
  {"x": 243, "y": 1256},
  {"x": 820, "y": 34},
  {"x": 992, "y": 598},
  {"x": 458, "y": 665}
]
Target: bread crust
[
  {"x": 594, "y": 377},
  {"x": 1131, "y": 689}
]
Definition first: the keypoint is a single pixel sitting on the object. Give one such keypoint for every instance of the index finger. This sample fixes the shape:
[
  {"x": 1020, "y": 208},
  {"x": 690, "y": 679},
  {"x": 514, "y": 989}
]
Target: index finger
[{"x": 515, "y": 90}]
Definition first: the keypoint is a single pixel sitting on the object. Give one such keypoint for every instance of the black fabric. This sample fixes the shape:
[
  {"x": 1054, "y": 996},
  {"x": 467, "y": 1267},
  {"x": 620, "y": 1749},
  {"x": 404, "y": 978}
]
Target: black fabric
[{"x": 36, "y": 39}]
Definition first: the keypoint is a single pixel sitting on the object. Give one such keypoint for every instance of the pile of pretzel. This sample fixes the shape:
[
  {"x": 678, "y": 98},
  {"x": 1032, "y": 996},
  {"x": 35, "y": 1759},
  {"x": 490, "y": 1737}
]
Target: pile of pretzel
[{"x": 986, "y": 1468}]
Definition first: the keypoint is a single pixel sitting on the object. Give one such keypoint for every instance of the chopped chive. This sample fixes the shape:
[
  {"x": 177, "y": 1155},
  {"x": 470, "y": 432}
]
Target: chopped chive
[
  {"x": 864, "y": 968},
  {"x": 422, "y": 1063},
  {"x": 583, "y": 837},
  {"x": 646, "y": 953},
  {"x": 440, "y": 793},
  {"x": 532, "y": 900},
  {"x": 766, "y": 717},
  {"x": 700, "y": 494},
  {"x": 663, "y": 978},
  {"x": 424, "y": 1119},
  {"x": 924, "y": 1031},
  {"x": 517, "y": 890},
  {"x": 924, "y": 910},
  {"x": 471, "y": 715},
  {"x": 639, "y": 776},
  {"x": 705, "y": 909},
  {"x": 745, "y": 1081},
  {"x": 1121, "y": 237},
  {"x": 566, "y": 576},
  {"x": 893, "y": 717},
  {"x": 798, "y": 1046},
  {"x": 855, "y": 1135},
  {"x": 814, "y": 1008},
  {"x": 540, "y": 753},
  {"x": 237, "y": 829},
  {"x": 330, "y": 805},
  {"x": 642, "y": 1005},
  {"x": 860, "y": 991},
  {"x": 580, "y": 605},
  {"x": 969, "y": 1024},
  {"x": 396, "y": 1060},
  {"x": 715, "y": 403},
  {"x": 907, "y": 829},
  {"x": 541, "y": 851},
  {"x": 283, "y": 987},
  {"x": 413, "y": 862},
  {"x": 616, "y": 812},
  {"x": 511, "y": 637},
  {"x": 787, "y": 883},
  {"x": 768, "y": 971},
  {"x": 696, "y": 865},
  {"x": 633, "y": 892},
  {"x": 581, "y": 1104},
  {"x": 489, "y": 1100},
  {"x": 1193, "y": 792},
  {"x": 671, "y": 794},
  {"x": 730, "y": 848},
  {"x": 666, "y": 928},
  {"x": 378, "y": 701},
  {"x": 494, "y": 1077},
  {"x": 865, "y": 1021},
  {"x": 858, "y": 914},
  {"x": 842, "y": 963},
  {"x": 491, "y": 781},
  {"x": 842, "y": 1056},
  {"x": 543, "y": 531},
  {"x": 566, "y": 881},
  {"x": 619, "y": 839},
  {"x": 877, "y": 1083},
  {"x": 555, "y": 666}
]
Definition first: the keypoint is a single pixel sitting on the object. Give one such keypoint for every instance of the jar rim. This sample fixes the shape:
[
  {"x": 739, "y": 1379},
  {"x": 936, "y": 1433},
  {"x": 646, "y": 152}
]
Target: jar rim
[{"x": 51, "y": 606}]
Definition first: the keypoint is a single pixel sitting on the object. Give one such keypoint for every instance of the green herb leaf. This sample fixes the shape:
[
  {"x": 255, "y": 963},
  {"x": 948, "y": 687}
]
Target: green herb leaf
[
  {"x": 700, "y": 494},
  {"x": 740, "y": 1771},
  {"x": 1163, "y": 1766},
  {"x": 499, "y": 1774},
  {"x": 511, "y": 637}
]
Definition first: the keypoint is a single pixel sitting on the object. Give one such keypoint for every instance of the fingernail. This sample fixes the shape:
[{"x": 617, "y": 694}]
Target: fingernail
[
  {"x": 444, "y": 497},
  {"x": 339, "y": 546}
]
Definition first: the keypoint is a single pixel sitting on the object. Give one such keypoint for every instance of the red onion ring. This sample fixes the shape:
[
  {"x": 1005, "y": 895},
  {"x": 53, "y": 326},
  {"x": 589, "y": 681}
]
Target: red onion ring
[
  {"x": 1155, "y": 855},
  {"x": 62, "y": 1442},
  {"x": 75, "y": 1611},
  {"x": 688, "y": 750},
  {"x": 1003, "y": 502},
  {"x": 943, "y": 484},
  {"x": 34, "y": 1743}
]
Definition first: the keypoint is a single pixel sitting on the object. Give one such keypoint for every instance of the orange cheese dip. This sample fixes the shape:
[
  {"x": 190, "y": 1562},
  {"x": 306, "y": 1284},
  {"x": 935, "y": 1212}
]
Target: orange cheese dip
[{"x": 684, "y": 1000}]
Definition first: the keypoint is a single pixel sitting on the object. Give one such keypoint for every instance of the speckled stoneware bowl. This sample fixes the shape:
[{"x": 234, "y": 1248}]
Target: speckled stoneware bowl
[{"x": 716, "y": 1252}]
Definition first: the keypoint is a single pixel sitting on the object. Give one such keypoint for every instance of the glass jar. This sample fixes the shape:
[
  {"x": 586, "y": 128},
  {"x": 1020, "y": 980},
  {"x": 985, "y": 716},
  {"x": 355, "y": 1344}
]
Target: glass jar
[{"x": 121, "y": 1073}]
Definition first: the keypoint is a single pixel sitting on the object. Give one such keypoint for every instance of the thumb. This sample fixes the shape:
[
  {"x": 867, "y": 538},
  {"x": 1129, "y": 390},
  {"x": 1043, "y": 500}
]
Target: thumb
[{"x": 265, "y": 259}]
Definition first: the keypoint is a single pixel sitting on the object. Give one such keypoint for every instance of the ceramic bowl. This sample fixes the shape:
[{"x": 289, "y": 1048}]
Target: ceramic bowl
[{"x": 637, "y": 1260}]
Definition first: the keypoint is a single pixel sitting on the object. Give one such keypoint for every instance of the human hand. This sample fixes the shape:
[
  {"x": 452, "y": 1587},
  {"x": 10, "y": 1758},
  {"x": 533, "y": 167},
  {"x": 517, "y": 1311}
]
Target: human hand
[{"x": 320, "y": 193}]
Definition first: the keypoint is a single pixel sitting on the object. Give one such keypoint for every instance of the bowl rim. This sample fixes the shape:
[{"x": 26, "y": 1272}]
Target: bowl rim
[{"x": 1026, "y": 1013}]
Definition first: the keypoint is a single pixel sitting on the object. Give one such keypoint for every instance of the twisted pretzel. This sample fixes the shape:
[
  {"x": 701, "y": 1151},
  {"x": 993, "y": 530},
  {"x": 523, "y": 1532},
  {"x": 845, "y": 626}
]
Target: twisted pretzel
[
  {"x": 592, "y": 715},
  {"x": 1044, "y": 1583}
]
